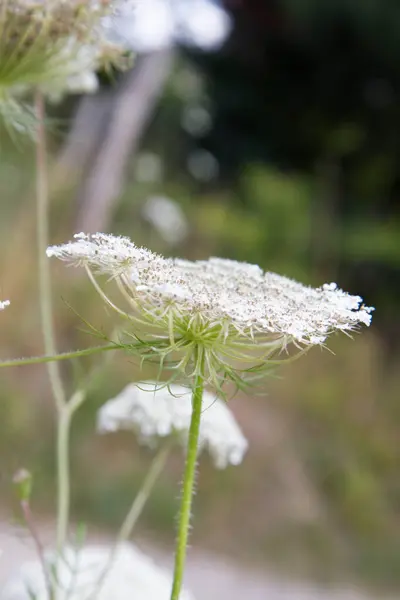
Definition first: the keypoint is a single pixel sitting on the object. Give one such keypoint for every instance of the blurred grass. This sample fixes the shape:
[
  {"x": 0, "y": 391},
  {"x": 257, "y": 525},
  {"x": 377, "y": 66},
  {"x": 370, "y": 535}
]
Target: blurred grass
[{"x": 319, "y": 490}]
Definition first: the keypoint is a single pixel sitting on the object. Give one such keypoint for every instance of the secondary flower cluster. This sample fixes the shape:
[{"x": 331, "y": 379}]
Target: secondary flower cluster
[
  {"x": 4, "y": 304},
  {"x": 231, "y": 317},
  {"x": 155, "y": 412},
  {"x": 78, "y": 573},
  {"x": 54, "y": 45}
]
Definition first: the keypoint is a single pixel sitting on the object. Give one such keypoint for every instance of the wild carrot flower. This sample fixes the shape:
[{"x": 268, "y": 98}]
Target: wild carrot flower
[
  {"x": 4, "y": 304},
  {"x": 155, "y": 412},
  {"x": 225, "y": 319},
  {"x": 77, "y": 573},
  {"x": 54, "y": 46}
]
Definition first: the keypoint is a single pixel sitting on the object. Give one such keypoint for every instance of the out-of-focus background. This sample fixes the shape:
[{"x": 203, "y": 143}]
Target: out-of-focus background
[{"x": 263, "y": 131}]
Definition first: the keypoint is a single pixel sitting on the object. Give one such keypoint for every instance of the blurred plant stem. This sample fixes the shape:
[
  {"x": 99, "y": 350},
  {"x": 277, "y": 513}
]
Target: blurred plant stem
[
  {"x": 63, "y": 467},
  {"x": 42, "y": 207},
  {"x": 38, "y": 360},
  {"x": 143, "y": 495},
  {"x": 30, "y": 523},
  {"x": 65, "y": 410},
  {"x": 135, "y": 510},
  {"x": 188, "y": 479},
  {"x": 63, "y": 456},
  {"x": 46, "y": 313}
]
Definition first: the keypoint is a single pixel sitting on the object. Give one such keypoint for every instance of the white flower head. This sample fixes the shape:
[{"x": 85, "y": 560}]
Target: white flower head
[
  {"x": 150, "y": 25},
  {"x": 4, "y": 304},
  {"x": 231, "y": 316},
  {"x": 155, "y": 412},
  {"x": 55, "y": 46},
  {"x": 131, "y": 574}
]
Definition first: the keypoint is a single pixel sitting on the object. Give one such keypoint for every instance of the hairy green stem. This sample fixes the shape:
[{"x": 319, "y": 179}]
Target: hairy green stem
[
  {"x": 42, "y": 205},
  {"x": 37, "y": 360},
  {"x": 188, "y": 486}
]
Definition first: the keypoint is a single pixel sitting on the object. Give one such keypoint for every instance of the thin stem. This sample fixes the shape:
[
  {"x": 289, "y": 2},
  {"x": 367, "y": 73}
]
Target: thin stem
[
  {"x": 37, "y": 360},
  {"x": 188, "y": 484},
  {"x": 135, "y": 510},
  {"x": 143, "y": 494},
  {"x": 46, "y": 313},
  {"x": 42, "y": 200},
  {"x": 63, "y": 467},
  {"x": 102, "y": 294},
  {"x": 26, "y": 511},
  {"x": 63, "y": 497},
  {"x": 63, "y": 458}
]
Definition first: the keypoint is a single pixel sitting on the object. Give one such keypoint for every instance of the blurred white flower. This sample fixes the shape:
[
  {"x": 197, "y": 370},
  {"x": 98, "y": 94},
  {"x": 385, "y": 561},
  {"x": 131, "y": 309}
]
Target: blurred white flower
[
  {"x": 132, "y": 575},
  {"x": 155, "y": 412},
  {"x": 148, "y": 25},
  {"x": 167, "y": 218},
  {"x": 143, "y": 26},
  {"x": 4, "y": 304},
  {"x": 55, "y": 46},
  {"x": 202, "y": 23}
]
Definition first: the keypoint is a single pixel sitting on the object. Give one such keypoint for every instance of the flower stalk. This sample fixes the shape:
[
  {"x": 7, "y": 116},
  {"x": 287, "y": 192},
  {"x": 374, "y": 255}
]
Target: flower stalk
[
  {"x": 188, "y": 481},
  {"x": 63, "y": 465},
  {"x": 42, "y": 206},
  {"x": 143, "y": 495},
  {"x": 134, "y": 512},
  {"x": 38, "y": 360}
]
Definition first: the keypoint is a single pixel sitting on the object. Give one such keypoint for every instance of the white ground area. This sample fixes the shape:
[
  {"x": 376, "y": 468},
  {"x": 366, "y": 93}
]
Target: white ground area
[{"x": 208, "y": 576}]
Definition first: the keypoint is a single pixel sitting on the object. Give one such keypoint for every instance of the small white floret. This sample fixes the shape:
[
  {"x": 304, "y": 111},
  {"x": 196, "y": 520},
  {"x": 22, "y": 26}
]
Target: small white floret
[
  {"x": 155, "y": 412},
  {"x": 4, "y": 304}
]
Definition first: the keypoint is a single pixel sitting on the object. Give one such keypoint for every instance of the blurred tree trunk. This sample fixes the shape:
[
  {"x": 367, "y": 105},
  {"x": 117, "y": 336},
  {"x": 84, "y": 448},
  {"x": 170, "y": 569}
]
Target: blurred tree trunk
[{"x": 132, "y": 109}]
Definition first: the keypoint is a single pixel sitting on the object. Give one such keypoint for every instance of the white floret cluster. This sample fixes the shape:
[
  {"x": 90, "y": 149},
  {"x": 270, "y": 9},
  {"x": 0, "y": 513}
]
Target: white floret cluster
[
  {"x": 4, "y": 304},
  {"x": 131, "y": 574},
  {"x": 218, "y": 293},
  {"x": 155, "y": 412}
]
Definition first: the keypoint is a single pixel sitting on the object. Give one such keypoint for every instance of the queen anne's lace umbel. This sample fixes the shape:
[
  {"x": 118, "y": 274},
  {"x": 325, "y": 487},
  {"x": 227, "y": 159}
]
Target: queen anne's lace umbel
[
  {"x": 234, "y": 311},
  {"x": 4, "y": 304},
  {"x": 54, "y": 45},
  {"x": 154, "y": 412},
  {"x": 131, "y": 574}
]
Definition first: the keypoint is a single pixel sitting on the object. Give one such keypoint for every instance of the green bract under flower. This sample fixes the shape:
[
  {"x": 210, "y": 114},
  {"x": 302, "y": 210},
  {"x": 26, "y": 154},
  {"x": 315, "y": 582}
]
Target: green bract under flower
[{"x": 221, "y": 312}]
